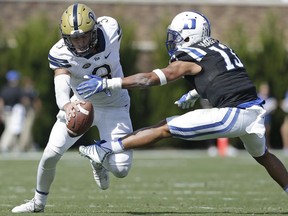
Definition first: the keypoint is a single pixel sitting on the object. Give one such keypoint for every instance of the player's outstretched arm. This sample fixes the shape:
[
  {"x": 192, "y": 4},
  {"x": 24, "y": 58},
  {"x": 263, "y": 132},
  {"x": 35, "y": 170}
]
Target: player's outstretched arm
[{"x": 172, "y": 72}]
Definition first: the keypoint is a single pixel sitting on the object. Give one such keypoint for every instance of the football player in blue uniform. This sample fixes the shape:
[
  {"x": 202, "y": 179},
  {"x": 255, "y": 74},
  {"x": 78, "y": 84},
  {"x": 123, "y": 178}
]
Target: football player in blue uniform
[
  {"x": 89, "y": 46},
  {"x": 218, "y": 75}
]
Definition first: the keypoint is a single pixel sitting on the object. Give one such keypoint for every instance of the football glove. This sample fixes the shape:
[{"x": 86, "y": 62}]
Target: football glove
[
  {"x": 188, "y": 100},
  {"x": 92, "y": 85}
]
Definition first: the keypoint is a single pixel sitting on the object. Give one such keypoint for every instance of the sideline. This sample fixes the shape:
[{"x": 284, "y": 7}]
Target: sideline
[{"x": 138, "y": 154}]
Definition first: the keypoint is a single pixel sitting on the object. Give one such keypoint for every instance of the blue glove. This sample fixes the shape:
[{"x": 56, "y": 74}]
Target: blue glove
[
  {"x": 188, "y": 100},
  {"x": 93, "y": 85}
]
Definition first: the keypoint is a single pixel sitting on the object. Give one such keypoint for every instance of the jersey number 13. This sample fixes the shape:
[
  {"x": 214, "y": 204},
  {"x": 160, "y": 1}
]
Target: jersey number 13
[{"x": 231, "y": 59}]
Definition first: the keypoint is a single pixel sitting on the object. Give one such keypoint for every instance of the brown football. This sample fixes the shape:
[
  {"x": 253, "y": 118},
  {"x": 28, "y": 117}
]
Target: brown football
[{"x": 82, "y": 121}]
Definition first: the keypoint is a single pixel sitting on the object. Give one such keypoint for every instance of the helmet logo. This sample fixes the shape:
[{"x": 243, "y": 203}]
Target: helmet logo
[
  {"x": 190, "y": 24},
  {"x": 86, "y": 66},
  {"x": 91, "y": 16}
]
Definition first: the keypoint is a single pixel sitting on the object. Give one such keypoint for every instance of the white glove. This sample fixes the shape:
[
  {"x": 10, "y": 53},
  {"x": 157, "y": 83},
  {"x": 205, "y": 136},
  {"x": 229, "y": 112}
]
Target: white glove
[{"x": 188, "y": 100}]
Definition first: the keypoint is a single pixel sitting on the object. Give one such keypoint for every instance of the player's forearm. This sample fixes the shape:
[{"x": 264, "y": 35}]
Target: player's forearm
[{"x": 139, "y": 80}]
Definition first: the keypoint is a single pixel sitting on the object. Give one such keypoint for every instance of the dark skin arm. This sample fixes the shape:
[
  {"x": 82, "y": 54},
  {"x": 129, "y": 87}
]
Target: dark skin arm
[
  {"x": 172, "y": 72},
  {"x": 146, "y": 136}
]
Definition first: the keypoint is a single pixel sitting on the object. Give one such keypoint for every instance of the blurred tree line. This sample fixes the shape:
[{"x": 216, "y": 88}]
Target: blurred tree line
[{"x": 28, "y": 49}]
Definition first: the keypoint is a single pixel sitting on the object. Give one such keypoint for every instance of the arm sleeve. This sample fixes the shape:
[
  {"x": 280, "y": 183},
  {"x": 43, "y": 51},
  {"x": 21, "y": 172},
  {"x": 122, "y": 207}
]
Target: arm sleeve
[{"x": 62, "y": 90}]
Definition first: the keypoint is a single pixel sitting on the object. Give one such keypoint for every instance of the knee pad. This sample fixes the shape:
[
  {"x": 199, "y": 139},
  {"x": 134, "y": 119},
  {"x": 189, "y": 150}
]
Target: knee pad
[
  {"x": 120, "y": 171},
  {"x": 119, "y": 164}
]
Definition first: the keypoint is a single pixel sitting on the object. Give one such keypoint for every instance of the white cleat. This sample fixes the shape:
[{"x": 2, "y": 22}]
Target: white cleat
[
  {"x": 101, "y": 175},
  {"x": 29, "y": 207},
  {"x": 95, "y": 152}
]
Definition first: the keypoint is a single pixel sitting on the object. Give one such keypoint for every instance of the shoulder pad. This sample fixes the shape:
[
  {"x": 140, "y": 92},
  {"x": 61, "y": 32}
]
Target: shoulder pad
[
  {"x": 59, "y": 55},
  {"x": 111, "y": 27}
]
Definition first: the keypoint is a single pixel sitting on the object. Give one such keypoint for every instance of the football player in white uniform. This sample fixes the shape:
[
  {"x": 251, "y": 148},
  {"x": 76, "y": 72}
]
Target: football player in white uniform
[
  {"x": 217, "y": 74},
  {"x": 89, "y": 46}
]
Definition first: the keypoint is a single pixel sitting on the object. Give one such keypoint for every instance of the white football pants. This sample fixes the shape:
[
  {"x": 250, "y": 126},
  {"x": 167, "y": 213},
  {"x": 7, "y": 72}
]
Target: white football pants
[{"x": 203, "y": 124}]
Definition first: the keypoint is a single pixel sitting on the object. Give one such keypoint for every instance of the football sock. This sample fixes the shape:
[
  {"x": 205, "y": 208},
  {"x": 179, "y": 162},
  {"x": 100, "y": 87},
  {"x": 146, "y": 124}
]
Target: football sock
[
  {"x": 45, "y": 174},
  {"x": 114, "y": 146},
  {"x": 40, "y": 197}
]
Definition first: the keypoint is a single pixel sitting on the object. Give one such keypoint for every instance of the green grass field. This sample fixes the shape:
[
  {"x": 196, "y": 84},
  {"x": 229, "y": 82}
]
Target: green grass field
[{"x": 160, "y": 183}]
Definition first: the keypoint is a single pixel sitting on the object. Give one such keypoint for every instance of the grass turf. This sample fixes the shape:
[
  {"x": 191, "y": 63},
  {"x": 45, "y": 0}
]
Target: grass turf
[{"x": 160, "y": 183}]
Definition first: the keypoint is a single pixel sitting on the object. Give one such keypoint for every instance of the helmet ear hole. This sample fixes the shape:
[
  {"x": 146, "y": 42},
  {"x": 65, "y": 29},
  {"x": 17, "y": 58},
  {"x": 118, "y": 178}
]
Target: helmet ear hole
[{"x": 187, "y": 39}]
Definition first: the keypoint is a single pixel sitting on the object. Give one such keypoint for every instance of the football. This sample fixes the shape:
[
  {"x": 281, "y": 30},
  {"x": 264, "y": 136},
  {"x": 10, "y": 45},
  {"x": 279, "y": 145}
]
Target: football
[{"x": 82, "y": 120}]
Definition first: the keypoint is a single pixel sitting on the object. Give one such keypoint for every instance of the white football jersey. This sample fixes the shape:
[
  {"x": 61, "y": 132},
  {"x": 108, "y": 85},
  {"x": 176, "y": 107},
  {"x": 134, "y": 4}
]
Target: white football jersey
[{"x": 105, "y": 63}]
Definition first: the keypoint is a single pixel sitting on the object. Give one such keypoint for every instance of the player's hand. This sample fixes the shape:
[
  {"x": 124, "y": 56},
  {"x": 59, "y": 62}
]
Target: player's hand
[
  {"x": 92, "y": 85},
  {"x": 188, "y": 100},
  {"x": 71, "y": 108}
]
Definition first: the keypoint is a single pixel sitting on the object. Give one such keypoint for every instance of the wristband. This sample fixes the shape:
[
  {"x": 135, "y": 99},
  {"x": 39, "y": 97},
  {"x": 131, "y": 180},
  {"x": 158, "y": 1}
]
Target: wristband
[
  {"x": 161, "y": 76},
  {"x": 114, "y": 83},
  {"x": 62, "y": 90}
]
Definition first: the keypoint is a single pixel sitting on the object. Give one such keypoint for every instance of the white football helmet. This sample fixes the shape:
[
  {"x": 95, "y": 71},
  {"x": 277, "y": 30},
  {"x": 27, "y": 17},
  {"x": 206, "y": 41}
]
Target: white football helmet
[{"x": 186, "y": 28}]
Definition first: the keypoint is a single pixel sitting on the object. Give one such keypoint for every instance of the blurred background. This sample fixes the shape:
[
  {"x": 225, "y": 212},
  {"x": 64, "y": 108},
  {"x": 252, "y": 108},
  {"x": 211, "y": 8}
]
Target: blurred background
[{"x": 256, "y": 29}]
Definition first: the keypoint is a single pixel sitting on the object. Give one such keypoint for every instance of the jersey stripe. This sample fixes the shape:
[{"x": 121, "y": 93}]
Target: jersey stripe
[
  {"x": 119, "y": 31},
  {"x": 195, "y": 53},
  {"x": 58, "y": 62}
]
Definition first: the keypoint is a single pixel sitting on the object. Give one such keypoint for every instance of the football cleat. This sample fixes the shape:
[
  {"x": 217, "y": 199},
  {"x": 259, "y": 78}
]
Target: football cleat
[
  {"x": 29, "y": 207},
  {"x": 101, "y": 175},
  {"x": 95, "y": 152}
]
